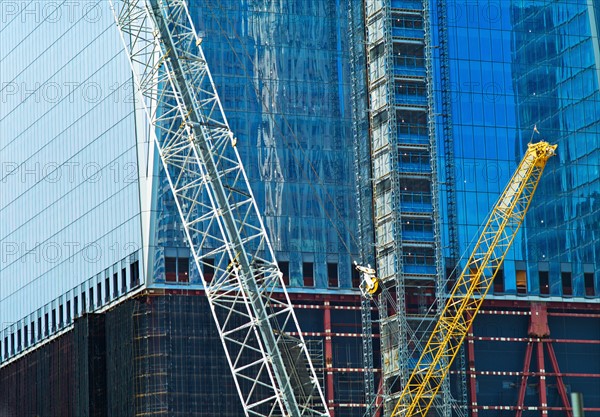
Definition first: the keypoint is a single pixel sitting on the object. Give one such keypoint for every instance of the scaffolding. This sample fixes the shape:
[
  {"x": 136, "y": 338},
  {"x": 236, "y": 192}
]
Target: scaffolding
[{"x": 404, "y": 178}]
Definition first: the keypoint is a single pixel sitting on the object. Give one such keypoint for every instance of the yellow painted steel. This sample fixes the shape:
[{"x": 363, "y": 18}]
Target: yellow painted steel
[{"x": 473, "y": 284}]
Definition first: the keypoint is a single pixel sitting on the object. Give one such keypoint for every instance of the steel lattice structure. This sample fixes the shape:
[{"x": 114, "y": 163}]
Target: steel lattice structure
[
  {"x": 272, "y": 371},
  {"x": 473, "y": 284}
]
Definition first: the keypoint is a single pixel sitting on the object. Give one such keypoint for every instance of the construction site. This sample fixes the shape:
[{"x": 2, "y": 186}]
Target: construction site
[{"x": 362, "y": 208}]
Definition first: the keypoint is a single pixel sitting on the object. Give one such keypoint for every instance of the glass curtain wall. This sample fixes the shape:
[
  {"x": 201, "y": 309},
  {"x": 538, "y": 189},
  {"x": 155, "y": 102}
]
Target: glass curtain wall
[
  {"x": 518, "y": 68},
  {"x": 69, "y": 196},
  {"x": 282, "y": 73}
]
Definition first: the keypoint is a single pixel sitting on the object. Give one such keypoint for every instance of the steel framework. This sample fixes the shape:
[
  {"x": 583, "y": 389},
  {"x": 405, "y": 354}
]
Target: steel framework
[
  {"x": 272, "y": 371},
  {"x": 540, "y": 361},
  {"x": 473, "y": 284}
]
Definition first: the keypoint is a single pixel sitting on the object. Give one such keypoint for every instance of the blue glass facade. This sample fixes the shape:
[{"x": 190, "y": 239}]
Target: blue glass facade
[
  {"x": 282, "y": 74},
  {"x": 514, "y": 66},
  {"x": 70, "y": 226},
  {"x": 86, "y": 209}
]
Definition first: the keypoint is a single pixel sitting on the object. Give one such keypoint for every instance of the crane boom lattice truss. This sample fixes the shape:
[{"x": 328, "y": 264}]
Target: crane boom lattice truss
[
  {"x": 473, "y": 284},
  {"x": 272, "y": 371}
]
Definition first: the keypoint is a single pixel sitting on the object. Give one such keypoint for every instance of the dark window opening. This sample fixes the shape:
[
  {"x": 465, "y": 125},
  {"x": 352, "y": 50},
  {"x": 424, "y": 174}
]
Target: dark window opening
[
  {"x": 377, "y": 51},
  {"x": 177, "y": 269},
  {"x": 123, "y": 280},
  {"x": 402, "y": 21},
  {"x": 332, "y": 275},
  {"x": 567, "y": 285},
  {"x": 183, "y": 269},
  {"x": 521, "y": 282},
  {"x": 75, "y": 306},
  {"x": 421, "y": 186},
  {"x": 410, "y": 88},
  {"x": 83, "y": 303},
  {"x": 588, "y": 280},
  {"x": 69, "y": 311},
  {"x": 134, "y": 270},
  {"x": 32, "y": 327},
  {"x": 417, "y": 227},
  {"x": 411, "y": 123},
  {"x": 46, "y": 324},
  {"x": 284, "y": 267},
  {"x": 25, "y": 336},
  {"x": 107, "y": 289},
  {"x": 99, "y": 294},
  {"x": 39, "y": 332},
  {"x": 355, "y": 277},
  {"x": 12, "y": 343},
  {"x": 19, "y": 344},
  {"x": 53, "y": 320},
  {"x": 544, "y": 283},
  {"x": 91, "y": 299},
  {"x": 409, "y": 55},
  {"x": 308, "y": 274},
  {"x": 60, "y": 316},
  {"x": 208, "y": 266},
  {"x": 499, "y": 282},
  {"x": 419, "y": 256},
  {"x": 115, "y": 285},
  {"x": 6, "y": 347}
]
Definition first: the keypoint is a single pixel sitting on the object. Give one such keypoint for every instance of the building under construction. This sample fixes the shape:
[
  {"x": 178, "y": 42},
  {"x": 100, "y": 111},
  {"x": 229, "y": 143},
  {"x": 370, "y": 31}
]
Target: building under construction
[{"x": 380, "y": 132}]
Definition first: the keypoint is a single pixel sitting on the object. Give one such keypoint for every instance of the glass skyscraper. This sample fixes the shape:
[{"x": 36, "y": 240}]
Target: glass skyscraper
[
  {"x": 88, "y": 223},
  {"x": 523, "y": 71},
  {"x": 87, "y": 215},
  {"x": 456, "y": 90},
  {"x": 381, "y": 131},
  {"x": 282, "y": 73},
  {"x": 70, "y": 197}
]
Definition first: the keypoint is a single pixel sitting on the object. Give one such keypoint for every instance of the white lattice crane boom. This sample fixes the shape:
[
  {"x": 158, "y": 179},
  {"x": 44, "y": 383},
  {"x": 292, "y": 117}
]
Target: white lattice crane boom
[{"x": 273, "y": 372}]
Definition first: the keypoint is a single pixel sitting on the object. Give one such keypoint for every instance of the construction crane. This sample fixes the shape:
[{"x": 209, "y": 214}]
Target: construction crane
[
  {"x": 471, "y": 287},
  {"x": 473, "y": 284},
  {"x": 272, "y": 371}
]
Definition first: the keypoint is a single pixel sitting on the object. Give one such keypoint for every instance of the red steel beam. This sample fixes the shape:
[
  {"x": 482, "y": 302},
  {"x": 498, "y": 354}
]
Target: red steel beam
[
  {"x": 328, "y": 359},
  {"x": 560, "y": 383},
  {"x": 519, "y": 373},
  {"x": 528, "y": 339},
  {"x": 551, "y": 305},
  {"x": 523, "y": 386},
  {"x": 471, "y": 372},
  {"x": 529, "y": 408},
  {"x": 542, "y": 387},
  {"x": 357, "y": 370},
  {"x": 332, "y": 334},
  {"x": 581, "y": 315}
]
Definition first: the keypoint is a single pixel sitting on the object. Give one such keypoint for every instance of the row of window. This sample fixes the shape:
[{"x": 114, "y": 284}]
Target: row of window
[
  {"x": 58, "y": 314},
  {"x": 566, "y": 280},
  {"x": 543, "y": 278},
  {"x": 177, "y": 270},
  {"x": 407, "y": 21}
]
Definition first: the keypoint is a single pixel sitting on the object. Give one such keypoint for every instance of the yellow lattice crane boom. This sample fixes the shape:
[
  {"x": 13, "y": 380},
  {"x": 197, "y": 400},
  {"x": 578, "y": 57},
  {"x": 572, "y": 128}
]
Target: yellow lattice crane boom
[{"x": 473, "y": 284}]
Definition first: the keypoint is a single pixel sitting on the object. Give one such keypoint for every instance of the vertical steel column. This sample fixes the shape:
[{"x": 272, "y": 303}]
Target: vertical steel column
[
  {"x": 330, "y": 392},
  {"x": 543, "y": 394},
  {"x": 471, "y": 372},
  {"x": 523, "y": 386},
  {"x": 560, "y": 384}
]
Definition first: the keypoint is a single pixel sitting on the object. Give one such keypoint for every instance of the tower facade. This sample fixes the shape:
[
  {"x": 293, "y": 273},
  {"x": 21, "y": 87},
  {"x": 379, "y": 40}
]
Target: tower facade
[{"x": 455, "y": 91}]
